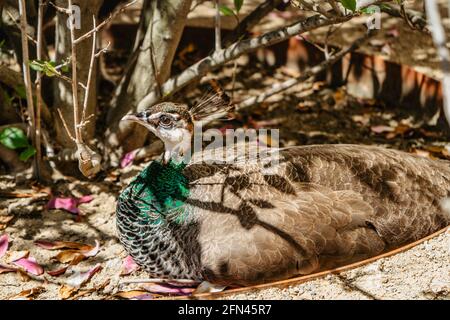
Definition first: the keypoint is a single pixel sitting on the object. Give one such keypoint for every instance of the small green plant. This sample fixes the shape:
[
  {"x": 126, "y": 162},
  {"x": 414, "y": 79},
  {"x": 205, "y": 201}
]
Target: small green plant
[
  {"x": 349, "y": 4},
  {"x": 227, "y": 11},
  {"x": 15, "y": 139},
  {"x": 49, "y": 68}
]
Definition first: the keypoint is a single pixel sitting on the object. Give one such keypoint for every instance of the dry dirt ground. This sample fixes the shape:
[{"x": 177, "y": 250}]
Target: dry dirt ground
[{"x": 422, "y": 272}]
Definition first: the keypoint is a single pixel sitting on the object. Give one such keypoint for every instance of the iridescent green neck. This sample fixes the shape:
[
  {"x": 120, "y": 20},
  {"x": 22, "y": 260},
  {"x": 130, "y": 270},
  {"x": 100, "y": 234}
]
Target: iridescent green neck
[{"x": 161, "y": 189}]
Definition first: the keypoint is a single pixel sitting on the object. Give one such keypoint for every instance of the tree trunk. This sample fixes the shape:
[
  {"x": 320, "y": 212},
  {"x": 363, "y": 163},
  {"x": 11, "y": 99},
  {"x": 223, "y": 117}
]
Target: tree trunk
[
  {"x": 63, "y": 89},
  {"x": 156, "y": 43}
]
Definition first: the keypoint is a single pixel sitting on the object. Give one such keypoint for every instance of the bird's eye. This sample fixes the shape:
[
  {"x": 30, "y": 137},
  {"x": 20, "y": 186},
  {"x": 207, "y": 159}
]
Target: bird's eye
[{"x": 165, "y": 121}]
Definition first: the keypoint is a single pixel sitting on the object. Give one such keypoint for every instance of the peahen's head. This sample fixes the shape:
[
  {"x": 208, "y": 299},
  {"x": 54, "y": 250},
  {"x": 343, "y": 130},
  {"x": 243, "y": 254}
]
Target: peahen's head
[
  {"x": 174, "y": 123},
  {"x": 171, "y": 122}
]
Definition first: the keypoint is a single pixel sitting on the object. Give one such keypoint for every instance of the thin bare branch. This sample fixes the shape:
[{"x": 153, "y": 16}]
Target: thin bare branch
[
  {"x": 219, "y": 58},
  {"x": 251, "y": 20},
  {"x": 75, "y": 102},
  {"x": 65, "y": 125},
  {"x": 26, "y": 71},
  {"x": 18, "y": 25},
  {"x": 104, "y": 22},
  {"x": 306, "y": 76},
  {"x": 39, "y": 88},
  {"x": 217, "y": 26},
  {"x": 91, "y": 68}
]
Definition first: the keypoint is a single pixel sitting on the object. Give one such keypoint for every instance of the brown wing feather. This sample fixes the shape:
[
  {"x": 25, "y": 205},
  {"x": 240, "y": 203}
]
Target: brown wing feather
[{"x": 324, "y": 206}]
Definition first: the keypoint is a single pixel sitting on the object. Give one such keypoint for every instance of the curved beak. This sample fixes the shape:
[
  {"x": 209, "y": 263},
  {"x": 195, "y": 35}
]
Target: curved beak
[{"x": 132, "y": 117}]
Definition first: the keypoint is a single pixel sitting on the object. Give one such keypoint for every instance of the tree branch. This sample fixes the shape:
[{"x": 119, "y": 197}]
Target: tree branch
[
  {"x": 307, "y": 75},
  {"x": 104, "y": 22},
  {"x": 26, "y": 72},
  {"x": 438, "y": 32},
  {"x": 251, "y": 20},
  {"x": 416, "y": 18},
  {"x": 219, "y": 58}
]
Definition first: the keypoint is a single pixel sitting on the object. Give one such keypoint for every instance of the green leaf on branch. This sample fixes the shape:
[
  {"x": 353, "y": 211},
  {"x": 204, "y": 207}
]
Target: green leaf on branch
[
  {"x": 238, "y": 5},
  {"x": 27, "y": 153},
  {"x": 14, "y": 138},
  {"x": 349, "y": 4},
  {"x": 226, "y": 11},
  {"x": 47, "y": 67},
  {"x": 370, "y": 10}
]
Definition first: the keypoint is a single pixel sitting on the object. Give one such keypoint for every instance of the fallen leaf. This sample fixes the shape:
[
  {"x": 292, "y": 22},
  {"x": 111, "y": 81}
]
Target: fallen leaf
[
  {"x": 207, "y": 287},
  {"x": 68, "y": 204},
  {"x": 30, "y": 265},
  {"x": 16, "y": 255},
  {"x": 128, "y": 266},
  {"x": 393, "y": 33},
  {"x": 135, "y": 295},
  {"x": 422, "y": 153},
  {"x": 4, "y": 243},
  {"x": 128, "y": 159},
  {"x": 6, "y": 269},
  {"x": 70, "y": 256},
  {"x": 167, "y": 288},
  {"x": 80, "y": 278},
  {"x": 28, "y": 294},
  {"x": 76, "y": 256},
  {"x": 65, "y": 291},
  {"x": 58, "y": 272},
  {"x": 55, "y": 245},
  {"x": 24, "y": 277},
  {"x": 381, "y": 129},
  {"x": 400, "y": 130},
  {"x": 4, "y": 220}
]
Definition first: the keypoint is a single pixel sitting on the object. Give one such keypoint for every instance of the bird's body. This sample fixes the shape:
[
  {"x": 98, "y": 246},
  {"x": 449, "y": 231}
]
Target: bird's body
[{"x": 238, "y": 223}]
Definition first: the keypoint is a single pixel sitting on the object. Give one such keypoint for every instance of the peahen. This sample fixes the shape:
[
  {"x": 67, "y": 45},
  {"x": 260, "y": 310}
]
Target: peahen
[{"x": 237, "y": 223}]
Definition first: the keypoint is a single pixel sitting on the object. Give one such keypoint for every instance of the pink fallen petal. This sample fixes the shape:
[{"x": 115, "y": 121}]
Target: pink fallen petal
[
  {"x": 128, "y": 159},
  {"x": 85, "y": 199},
  {"x": 68, "y": 204},
  {"x": 49, "y": 245},
  {"x": 4, "y": 243},
  {"x": 5, "y": 269},
  {"x": 381, "y": 129},
  {"x": 93, "y": 252},
  {"x": 80, "y": 278},
  {"x": 57, "y": 272},
  {"x": 146, "y": 296},
  {"x": 30, "y": 265},
  {"x": 128, "y": 266},
  {"x": 166, "y": 288}
]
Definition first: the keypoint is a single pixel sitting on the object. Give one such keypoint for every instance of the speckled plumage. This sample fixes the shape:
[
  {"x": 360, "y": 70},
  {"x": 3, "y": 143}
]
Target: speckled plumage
[{"x": 323, "y": 206}]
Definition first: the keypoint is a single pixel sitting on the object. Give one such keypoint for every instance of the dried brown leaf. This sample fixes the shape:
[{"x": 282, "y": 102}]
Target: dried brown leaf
[
  {"x": 28, "y": 294},
  {"x": 65, "y": 291}
]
